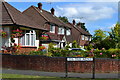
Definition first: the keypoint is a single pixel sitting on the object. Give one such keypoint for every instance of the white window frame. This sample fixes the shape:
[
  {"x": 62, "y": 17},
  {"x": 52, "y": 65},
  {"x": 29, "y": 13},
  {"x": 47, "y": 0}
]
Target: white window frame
[
  {"x": 53, "y": 29},
  {"x": 68, "y": 32},
  {"x": 86, "y": 37},
  {"x": 90, "y": 38},
  {"x": 82, "y": 37},
  {"x": 30, "y": 38},
  {"x": 61, "y": 30}
]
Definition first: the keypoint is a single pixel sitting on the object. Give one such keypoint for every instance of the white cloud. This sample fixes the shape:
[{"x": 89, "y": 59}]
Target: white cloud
[
  {"x": 112, "y": 26},
  {"x": 89, "y": 12}
]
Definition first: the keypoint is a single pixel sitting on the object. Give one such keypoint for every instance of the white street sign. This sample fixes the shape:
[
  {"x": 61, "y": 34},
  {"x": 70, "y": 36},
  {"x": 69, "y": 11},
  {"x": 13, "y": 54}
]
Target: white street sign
[{"x": 79, "y": 59}]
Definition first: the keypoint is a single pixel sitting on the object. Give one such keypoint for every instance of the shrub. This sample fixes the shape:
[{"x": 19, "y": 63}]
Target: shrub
[
  {"x": 37, "y": 53},
  {"x": 111, "y": 53}
]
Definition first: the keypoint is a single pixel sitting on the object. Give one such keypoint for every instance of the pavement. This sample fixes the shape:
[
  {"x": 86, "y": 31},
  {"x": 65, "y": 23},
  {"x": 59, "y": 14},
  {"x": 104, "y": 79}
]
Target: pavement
[{"x": 60, "y": 74}]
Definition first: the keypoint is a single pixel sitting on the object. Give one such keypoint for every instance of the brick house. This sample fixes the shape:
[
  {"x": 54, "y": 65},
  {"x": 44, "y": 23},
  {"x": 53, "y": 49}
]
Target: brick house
[
  {"x": 13, "y": 19},
  {"x": 35, "y": 23},
  {"x": 59, "y": 32},
  {"x": 80, "y": 35}
]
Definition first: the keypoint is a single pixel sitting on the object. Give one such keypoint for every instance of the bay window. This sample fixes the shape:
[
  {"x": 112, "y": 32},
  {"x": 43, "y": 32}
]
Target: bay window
[
  {"x": 28, "y": 38},
  {"x": 61, "y": 30}
]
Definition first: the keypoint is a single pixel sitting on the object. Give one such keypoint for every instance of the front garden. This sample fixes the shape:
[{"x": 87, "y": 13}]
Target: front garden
[
  {"x": 101, "y": 46},
  {"x": 57, "y": 52}
]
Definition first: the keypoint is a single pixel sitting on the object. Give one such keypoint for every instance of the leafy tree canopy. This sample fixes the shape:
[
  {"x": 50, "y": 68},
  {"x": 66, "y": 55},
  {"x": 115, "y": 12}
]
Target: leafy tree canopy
[
  {"x": 99, "y": 35},
  {"x": 64, "y": 19}
]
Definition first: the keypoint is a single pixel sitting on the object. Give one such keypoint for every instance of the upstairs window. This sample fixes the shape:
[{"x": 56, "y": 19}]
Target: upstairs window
[
  {"x": 68, "y": 32},
  {"x": 52, "y": 29},
  {"x": 61, "y": 30},
  {"x": 86, "y": 38},
  {"x": 90, "y": 38},
  {"x": 83, "y": 37},
  {"x": 29, "y": 38}
]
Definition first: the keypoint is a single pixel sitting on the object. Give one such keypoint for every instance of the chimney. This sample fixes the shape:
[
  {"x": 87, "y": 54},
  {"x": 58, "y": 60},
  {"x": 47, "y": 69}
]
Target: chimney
[
  {"x": 74, "y": 22},
  {"x": 40, "y": 6},
  {"x": 52, "y": 11}
]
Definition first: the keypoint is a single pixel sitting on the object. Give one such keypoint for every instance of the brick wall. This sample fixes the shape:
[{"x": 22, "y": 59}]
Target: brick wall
[
  {"x": 57, "y": 64},
  {"x": 27, "y": 49}
]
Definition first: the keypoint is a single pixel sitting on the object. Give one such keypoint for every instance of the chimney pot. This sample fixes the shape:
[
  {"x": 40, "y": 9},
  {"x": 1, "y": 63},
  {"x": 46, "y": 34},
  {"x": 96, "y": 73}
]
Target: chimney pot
[
  {"x": 74, "y": 22},
  {"x": 40, "y": 6},
  {"x": 53, "y": 11}
]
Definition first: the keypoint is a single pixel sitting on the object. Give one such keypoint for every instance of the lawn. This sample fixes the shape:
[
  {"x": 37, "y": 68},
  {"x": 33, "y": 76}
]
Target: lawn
[{"x": 29, "y": 77}]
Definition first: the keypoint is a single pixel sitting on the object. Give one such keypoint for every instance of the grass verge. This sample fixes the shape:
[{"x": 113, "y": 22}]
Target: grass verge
[{"x": 30, "y": 77}]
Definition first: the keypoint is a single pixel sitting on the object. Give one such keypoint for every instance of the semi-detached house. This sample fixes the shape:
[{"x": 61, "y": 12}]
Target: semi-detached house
[
  {"x": 59, "y": 32},
  {"x": 36, "y": 23},
  {"x": 13, "y": 19}
]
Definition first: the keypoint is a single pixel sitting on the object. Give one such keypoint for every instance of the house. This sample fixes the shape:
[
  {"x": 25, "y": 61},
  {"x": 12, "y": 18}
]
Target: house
[
  {"x": 80, "y": 35},
  {"x": 13, "y": 21},
  {"x": 59, "y": 32},
  {"x": 35, "y": 27}
]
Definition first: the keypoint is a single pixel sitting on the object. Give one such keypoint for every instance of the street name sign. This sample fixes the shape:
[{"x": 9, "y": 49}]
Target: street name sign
[{"x": 79, "y": 59}]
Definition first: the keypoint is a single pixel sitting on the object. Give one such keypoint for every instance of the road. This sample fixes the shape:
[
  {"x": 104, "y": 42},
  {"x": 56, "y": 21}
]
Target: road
[{"x": 60, "y": 74}]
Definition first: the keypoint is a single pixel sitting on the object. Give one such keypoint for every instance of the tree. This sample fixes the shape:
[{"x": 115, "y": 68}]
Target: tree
[
  {"x": 74, "y": 44},
  {"x": 98, "y": 37},
  {"x": 101, "y": 40},
  {"x": 115, "y": 34},
  {"x": 64, "y": 19},
  {"x": 82, "y": 25}
]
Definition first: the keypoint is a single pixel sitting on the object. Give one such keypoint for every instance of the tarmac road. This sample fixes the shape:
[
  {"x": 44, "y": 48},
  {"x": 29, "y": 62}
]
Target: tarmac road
[{"x": 61, "y": 74}]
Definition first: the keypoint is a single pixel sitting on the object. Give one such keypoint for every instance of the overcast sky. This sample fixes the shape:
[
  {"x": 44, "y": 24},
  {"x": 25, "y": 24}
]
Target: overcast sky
[{"x": 96, "y": 15}]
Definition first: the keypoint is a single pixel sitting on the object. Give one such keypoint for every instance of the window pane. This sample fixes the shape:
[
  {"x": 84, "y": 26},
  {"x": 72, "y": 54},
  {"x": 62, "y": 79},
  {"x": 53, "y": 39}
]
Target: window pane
[
  {"x": 32, "y": 39},
  {"x": 62, "y": 30},
  {"x": 68, "y": 32},
  {"x": 22, "y": 40},
  {"x": 27, "y": 39},
  {"x": 52, "y": 29},
  {"x": 82, "y": 37}
]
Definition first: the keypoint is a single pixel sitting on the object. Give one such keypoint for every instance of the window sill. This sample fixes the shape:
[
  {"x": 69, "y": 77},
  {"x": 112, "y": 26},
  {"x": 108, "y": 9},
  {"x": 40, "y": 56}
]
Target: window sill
[
  {"x": 60, "y": 34},
  {"x": 52, "y": 32},
  {"x": 28, "y": 46}
]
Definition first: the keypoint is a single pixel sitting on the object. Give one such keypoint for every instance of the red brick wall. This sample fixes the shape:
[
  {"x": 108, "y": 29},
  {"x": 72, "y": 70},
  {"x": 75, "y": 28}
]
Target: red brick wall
[
  {"x": 27, "y": 49},
  {"x": 57, "y": 64}
]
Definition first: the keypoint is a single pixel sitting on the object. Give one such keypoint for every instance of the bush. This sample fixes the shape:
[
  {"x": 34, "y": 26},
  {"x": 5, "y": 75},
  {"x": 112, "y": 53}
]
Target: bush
[
  {"x": 37, "y": 53},
  {"x": 111, "y": 53}
]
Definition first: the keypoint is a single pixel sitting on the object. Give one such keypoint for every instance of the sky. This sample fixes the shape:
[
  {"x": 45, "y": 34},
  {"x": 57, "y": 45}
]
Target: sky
[{"x": 95, "y": 15}]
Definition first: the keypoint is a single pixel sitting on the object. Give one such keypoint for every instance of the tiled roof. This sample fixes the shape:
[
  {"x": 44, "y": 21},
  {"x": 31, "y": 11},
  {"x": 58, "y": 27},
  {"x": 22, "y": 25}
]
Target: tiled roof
[
  {"x": 11, "y": 15},
  {"x": 43, "y": 16},
  {"x": 75, "y": 33},
  {"x": 83, "y": 31}
]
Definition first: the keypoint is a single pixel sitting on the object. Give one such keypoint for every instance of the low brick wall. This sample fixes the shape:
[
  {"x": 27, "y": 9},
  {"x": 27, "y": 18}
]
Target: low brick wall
[
  {"x": 57, "y": 64},
  {"x": 27, "y": 49}
]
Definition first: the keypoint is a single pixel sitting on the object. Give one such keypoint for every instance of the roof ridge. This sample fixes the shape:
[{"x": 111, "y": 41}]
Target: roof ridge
[
  {"x": 40, "y": 13},
  {"x": 56, "y": 18},
  {"x": 9, "y": 12},
  {"x": 74, "y": 27},
  {"x": 86, "y": 33}
]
